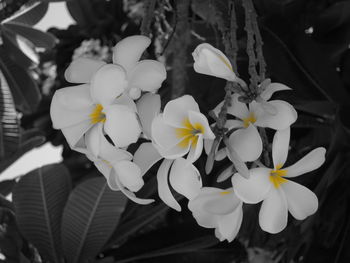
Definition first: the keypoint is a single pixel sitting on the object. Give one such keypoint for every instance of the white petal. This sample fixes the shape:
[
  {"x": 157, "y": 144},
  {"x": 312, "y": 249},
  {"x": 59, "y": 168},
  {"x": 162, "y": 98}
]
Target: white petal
[
  {"x": 146, "y": 156},
  {"x": 129, "y": 50},
  {"x": 233, "y": 124},
  {"x": 176, "y": 111},
  {"x": 211, "y": 61},
  {"x": 225, "y": 174},
  {"x": 148, "y": 107},
  {"x": 285, "y": 116},
  {"x": 247, "y": 143},
  {"x": 129, "y": 174},
  {"x": 273, "y": 213},
  {"x": 185, "y": 178},
  {"x": 111, "y": 153},
  {"x": 196, "y": 150},
  {"x": 107, "y": 84},
  {"x": 240, "y": 166},
  {"x": 208, "y": 143},
  {"x": 221, "y": 154},
  {"x": 122, "y": 125},
  {"x": 312, "y": 161},
  {"x": 196, "y": 118},
  {"x": 164, "y": 135},
  {"x": 202, "y": 217},
  {"x": 254, "y": 189},
  {"x": 126, "y": 101},
  {"x": 229, "y": 225},
  {"x": 147, "y": 75},
  {"x": 301, "y": 201},
  {"x": 105, "y": 169},
  {"x": 271, "y": 89},
  {"x": 115, "y": 184},
  {"x": 70, "y": 106},
  {"x": 82, "y": 69},
  {"x": 74, "y": 133},
  {"x": 174, "y": 152},
  {"x": 221, "y": 203},
  {"x": 93, "y": 139},
  {"x": 237, "y": 108},
  {"x": 280, "y": 146},
  {"x": 163, "y": 187}
]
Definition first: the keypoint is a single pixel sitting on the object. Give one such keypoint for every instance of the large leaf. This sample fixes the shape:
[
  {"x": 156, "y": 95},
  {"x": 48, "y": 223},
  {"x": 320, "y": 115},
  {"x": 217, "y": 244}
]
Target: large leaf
[
  {"x": 24, "y": 89},
  {"x": 39, "y": 198},
  {"x": 10, "y": 136},
  {"x": 9, "y": 7},
  {"x": 90, "y": 217},
  {"x": 37, "y": 37},
  {"x": 30, "y": 15}
]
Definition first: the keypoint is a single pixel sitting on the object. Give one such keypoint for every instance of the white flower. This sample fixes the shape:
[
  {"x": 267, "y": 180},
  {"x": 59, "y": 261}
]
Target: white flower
[
  {"x": 280, "y": 195},
  {"x": 246, "y": 139},
  {"x": 117, "y": 167},
  {"x": 219, "y": 209},
  {"x": 211, "y": 61},
  {"x": 144, "y": 75},
  {"x": 98, "y": 106},
  {"x": 180, "y": 129}
]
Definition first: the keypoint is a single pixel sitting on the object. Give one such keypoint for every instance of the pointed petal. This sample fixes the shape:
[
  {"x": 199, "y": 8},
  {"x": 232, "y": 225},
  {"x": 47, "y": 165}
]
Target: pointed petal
[
  {"x": 146, "y": 156},
  {"x": 107, "y": 84},
  {"x": 115, "y": 184},
  {"x": 237, "y": 108},
  {"x": 128, "y": 51},
  {"x": 229, "y": 225},
  {"x": 185, "y": 178},
  {"x": 285, "y": 116},
  {"x": 122, "y": 125},
  {"x": 163, "y": 187},
  {"x": 273, "y": 213},
  {"x": 221, "y": 154},
  {"x": 147, "y": 75},
  {"x": 148, "y": 107},
  {"x": 254, "y": 189},
  {"x": 211, "y": 61},
  {"x": 129, "y": 174},
  {"x": 247, "y": 143},
  {"x": 280, "y": 147},
  {"x": 70, "y": 106},
  {"x": 271, "y": 89},
  {"x": 164, "y": 135},
  {"x": 301, "y": 201},
  {"x": 82, "y": 69},
  {"x": 196, "y": 150},
  {"x": 312, "y": 161},
  {"x": 93, "y": 139},
  {"x": 225, "y": 174},
  {"x": 196, "y": 118},
  {"x": 74, "y": 133},
  {"x": 176, "y": 111}
]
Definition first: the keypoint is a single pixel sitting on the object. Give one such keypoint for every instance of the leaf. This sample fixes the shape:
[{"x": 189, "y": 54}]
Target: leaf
[
  {"x": 90, "y": 217},
  {"x": 39, "y": 199},
  {"x": 10, "y": 135},
  {"x": 31, "y": 15},
  {"x": 37, "y": 37},
  {"x": 24, "y": 89}
]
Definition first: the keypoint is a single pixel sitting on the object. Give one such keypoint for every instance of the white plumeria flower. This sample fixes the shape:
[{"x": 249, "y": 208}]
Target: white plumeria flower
[
  {"x": 246, "y": 140},
  {"x": 280, "y": 195},
  {"x": 144, "y": 75},
  {"x": 211, "y": 61},
  {"x": 219, "y": 209},
  {"x": 117, "y": 167},
  {"x": 97, "y": 106},
  {"x": 180, "y": 129}
]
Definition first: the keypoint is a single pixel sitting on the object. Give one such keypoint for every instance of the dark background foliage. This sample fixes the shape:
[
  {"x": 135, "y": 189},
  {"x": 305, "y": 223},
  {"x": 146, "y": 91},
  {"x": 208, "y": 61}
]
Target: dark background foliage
[{"x": 66, "y": 213}]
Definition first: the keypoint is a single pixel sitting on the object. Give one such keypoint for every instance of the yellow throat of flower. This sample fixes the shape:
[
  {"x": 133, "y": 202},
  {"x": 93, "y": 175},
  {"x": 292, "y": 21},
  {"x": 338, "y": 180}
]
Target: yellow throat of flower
[
  {"x": 225, "y": 62},
  {"x": 97, "y": 115},
  {"x": 189, "y": 133},
  {"x": 251, "y": 119},
  {"x": 276, "y": 176}
]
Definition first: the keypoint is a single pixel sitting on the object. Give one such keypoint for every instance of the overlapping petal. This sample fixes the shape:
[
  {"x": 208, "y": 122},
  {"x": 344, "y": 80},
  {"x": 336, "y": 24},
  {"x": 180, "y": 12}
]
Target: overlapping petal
[
  {"x": 237, "y": 108},
  {"x": 271, "y": 89},
  {"x": 129, "y": 175},
  {"x": 163, "y": 134},
  {"x": 280, "y": 147},
  {"x": 82, "y": 69},
  {"x": 146, "y": 156},
  {"x": 148, "y": 107},
  {"x": 254, "y": 189},
  {"x": 196, "y": 118},
  {"x": 229, "y": 225},
  {"x": 75, "y": 133}
]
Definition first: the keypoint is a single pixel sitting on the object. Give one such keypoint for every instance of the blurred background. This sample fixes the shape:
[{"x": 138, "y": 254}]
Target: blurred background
[{"x": 44, "y": 218}]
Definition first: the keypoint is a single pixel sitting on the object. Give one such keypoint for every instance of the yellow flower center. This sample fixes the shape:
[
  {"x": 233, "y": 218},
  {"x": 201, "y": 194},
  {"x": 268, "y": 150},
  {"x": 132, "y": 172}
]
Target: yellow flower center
[
  {"x": 249, "y": 120},
  {"x": 97, "y": 115},
  {"x": 225, "y": 192},
  {"x": 189, "y": 133},
  {"x": 276, "y": 176}
]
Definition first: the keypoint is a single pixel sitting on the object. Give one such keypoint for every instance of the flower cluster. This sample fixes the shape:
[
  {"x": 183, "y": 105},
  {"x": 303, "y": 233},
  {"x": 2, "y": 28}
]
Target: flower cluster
[{"x": 100, "y": 118}]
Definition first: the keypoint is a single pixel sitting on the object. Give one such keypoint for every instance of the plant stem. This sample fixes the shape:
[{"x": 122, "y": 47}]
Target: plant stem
[{"x": 146, "y": 21}]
